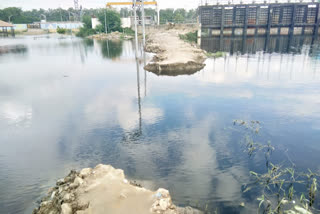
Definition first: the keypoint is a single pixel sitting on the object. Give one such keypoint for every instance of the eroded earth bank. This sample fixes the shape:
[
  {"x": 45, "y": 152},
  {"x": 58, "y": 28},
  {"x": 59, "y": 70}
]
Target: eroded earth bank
[
  {"x": 173, "y": 55},
  {"x": 105, "y": 189}
]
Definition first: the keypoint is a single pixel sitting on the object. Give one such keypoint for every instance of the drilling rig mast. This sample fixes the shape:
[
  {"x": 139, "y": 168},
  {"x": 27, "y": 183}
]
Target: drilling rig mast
[{"x": 77, "y": 10}]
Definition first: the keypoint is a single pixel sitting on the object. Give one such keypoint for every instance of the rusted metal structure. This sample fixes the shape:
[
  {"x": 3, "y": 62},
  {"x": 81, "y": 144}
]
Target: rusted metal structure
[
  {"x": 260, "y": 19},
  {"x": 4, "y": 26}
]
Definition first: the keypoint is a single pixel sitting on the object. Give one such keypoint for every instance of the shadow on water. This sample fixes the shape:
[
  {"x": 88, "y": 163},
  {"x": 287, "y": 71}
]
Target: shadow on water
[
  {"x": 14, "y": 49},
  {"x": 252, "y": 45}
]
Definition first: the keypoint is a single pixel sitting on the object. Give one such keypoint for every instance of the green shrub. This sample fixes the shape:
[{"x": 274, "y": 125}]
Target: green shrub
[
  {"x": 84, "y": 32},
  {"x": 128, "y": 31},
  {"x": 61, "y": 30},
  {"x": 100, "y": 29},
  {"x": 189, "y": 37}
]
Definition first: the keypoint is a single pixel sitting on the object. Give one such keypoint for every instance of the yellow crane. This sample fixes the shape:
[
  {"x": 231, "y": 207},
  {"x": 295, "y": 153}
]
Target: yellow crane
[{"x": 110, "y": 4}]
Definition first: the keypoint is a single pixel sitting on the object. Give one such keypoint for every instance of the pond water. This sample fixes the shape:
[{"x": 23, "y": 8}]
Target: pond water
[{"x": 67, "y": 103}]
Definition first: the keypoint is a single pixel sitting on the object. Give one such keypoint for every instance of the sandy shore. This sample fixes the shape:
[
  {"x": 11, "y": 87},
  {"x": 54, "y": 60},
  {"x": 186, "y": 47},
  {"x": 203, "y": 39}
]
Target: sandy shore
[
  {"x": 105, "y": 189},
  {"x": 173, "y": 55}
]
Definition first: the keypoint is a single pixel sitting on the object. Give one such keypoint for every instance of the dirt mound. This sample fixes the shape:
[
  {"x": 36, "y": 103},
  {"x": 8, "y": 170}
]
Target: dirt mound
[
  {"x": 110, "y": 36},
  {"x": 173, "y": 56},
  {"x": 105, "y": 189}
]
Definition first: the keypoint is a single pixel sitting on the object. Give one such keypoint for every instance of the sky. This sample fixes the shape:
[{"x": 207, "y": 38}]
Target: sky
[
  {"x": 31, "y": 4},
  {"x": 45, "y": 4}
]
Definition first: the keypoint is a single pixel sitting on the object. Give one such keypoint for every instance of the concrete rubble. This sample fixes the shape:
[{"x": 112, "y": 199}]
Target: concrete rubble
[{"x": 105, "y": 189}]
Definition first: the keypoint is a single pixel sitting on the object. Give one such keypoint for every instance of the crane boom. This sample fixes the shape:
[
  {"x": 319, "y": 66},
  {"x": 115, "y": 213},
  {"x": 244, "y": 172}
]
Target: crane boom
[{"x": 109, "y": 4}]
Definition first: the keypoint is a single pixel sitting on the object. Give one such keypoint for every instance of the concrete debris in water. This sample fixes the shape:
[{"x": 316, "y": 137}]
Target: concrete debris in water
[{"x": 105, "y": 189}]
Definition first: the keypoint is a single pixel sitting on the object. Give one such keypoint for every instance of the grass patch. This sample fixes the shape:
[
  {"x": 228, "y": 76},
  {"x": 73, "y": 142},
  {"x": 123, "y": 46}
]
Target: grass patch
[
  {"x": 216, "y": 54},
  {"x": 189, "y": 37},
  {"x": 17, "y": 32},
  {"x": 128, "y": 31},
  {"x": 84, "y": 32}
]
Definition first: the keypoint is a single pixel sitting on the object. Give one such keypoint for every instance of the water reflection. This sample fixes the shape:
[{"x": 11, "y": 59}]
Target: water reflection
[
  {"x": 175, "y": 73},
  {"x": 252, "y": 45},
  {"x": 173, "y": 132},
  {"x": 111, "y": 49}
]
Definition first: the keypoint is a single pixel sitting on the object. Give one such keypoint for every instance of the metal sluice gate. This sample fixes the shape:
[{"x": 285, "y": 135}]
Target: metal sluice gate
[{"x": 260, "y": 19}]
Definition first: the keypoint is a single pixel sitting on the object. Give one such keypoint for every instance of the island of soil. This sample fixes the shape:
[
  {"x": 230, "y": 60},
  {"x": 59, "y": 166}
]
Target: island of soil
[{"x": 173, "y": 55}]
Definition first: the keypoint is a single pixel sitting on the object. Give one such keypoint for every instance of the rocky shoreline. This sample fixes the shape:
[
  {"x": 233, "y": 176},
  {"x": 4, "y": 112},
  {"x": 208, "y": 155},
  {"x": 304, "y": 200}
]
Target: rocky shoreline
[
  {"x": 105, "y": 189},
  {"x": 173, "y": 55}
]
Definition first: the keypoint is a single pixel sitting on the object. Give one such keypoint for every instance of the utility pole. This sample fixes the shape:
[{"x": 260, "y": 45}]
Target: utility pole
[
  {"x": 135, "y": 25},
  {"x": 60, "y": 15},
  {"x": 76, "y": 8},
  {"x": 143, "y": 25},
  {"x": 45, "y": 17},
  {"x": 158, "y": 13},
  {"x": 105, "y": 21},
  {"x": 10, "y": 18}
]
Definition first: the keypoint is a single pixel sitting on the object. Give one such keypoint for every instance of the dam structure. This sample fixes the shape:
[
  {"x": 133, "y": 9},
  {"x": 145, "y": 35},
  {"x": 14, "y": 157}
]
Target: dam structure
[{"x": 256, "y": 19}]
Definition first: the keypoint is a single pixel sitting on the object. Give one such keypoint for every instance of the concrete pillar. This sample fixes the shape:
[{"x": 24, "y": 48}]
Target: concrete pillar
[
  {"x": 269, "y": 20},
  {"x": 222, "y": 22},
  {"x": 245, "y": 28},
  {"x": 316, "y": 28},
  {"x": 294, "y": 10}
]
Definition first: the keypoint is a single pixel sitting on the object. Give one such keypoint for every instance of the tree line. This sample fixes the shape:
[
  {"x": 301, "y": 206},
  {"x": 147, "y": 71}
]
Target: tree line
[
  {"x": 167, "y": 15},
  {"x": 18, "y": 16}
]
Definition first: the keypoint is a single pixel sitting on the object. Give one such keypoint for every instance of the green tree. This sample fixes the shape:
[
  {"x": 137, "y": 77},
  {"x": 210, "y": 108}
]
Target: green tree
[
  {"x": 124, "y": 12},
  {"x": 180, "y": 11},
  {"x": 166, "y": 15},
  {"x": 14, "y": 13},
  {"x": 150, "y": 12},
  {"x": 86, "y": 19},
  {"x": 113, "y": 20},
  {"x": 178, "y": 18},
  {"x": 192, "y": 14}
]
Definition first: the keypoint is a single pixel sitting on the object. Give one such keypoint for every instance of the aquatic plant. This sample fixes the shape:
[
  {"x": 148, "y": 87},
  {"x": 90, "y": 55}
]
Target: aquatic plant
[{"x": 280, "y": 184}]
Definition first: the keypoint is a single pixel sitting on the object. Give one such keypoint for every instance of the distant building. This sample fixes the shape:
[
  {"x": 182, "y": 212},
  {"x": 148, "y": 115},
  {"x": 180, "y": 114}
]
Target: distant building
[
  {"x": 125, "y": 22},
  {"x": 148, "y": 20},
  {"x": 64, "y": 25},
  {"x": 4, "y": 26},
  {"x": 95, "y": 22}
]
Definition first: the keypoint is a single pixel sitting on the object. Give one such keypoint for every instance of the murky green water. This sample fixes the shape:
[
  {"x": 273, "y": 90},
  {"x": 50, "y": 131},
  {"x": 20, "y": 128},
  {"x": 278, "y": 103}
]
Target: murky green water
[{"x": 69, "y": 103}]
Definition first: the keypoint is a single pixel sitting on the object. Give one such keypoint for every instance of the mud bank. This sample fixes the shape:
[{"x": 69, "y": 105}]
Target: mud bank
[
  {"x": 173, "y": 55},
  {"x": 105, "y": 189},
  {"x": 110, "y": 36}
]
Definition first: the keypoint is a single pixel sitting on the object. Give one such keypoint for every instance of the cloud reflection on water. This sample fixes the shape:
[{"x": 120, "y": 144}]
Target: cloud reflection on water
[{"x": 83, "y": 109}]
